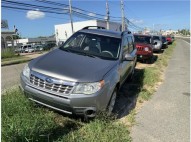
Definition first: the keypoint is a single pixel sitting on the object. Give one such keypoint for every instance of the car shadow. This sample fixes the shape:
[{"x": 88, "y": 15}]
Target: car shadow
[
  {"x": 154, "y": 59},
  {"x": 128, "y": 94}
]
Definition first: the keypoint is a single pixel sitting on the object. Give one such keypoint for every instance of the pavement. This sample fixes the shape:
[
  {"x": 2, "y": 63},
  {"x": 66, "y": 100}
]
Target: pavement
[
  {"x": 10, "y": 74},
  {"x": 166, "y": 117}
]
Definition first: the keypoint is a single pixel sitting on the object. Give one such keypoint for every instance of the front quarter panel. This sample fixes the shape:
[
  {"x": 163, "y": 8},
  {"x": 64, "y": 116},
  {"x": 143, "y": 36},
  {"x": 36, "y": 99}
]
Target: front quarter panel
[{"x": 111, "y": 79}]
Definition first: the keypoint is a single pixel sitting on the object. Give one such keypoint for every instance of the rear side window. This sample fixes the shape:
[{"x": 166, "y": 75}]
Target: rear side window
[{"x": 131, "y": 47}]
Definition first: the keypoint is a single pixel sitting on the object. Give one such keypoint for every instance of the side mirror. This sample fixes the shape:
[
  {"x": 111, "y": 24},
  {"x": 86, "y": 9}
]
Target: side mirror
[{"x": 127, "y": 57}]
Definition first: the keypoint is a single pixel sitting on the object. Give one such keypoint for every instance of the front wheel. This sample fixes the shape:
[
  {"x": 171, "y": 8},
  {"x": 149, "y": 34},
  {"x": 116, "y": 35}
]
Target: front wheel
[{"x": 112, "y": 102}]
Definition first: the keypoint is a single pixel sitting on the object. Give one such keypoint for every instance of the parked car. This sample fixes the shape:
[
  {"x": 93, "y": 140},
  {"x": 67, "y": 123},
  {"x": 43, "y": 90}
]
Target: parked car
[
  {"x": 24, "y": 48},
  {"x": 18, "y": 49},
  {"x": 157, "y": 46},
  {"x": 169, "y": 39},
  {"x": 164, "y": 42},
  {"x": 173, "y": 38},
  {"x": 30, "y": 49},
  {"x": 144, "y": 47},
  {"x": 49, "y": 46},
  {"x": 39, "y": 47},
  {"x": 82, "y": 76}
]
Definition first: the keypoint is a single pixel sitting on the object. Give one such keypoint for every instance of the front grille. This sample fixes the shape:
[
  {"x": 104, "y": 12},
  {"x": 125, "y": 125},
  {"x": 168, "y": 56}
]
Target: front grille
[
  {"x": 59, "y": 88},
  {"x": 139, "y": 48}
]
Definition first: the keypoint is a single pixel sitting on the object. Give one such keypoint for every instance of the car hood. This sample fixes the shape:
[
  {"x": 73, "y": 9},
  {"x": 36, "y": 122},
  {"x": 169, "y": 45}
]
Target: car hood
[{"x": 71, "y": 66}]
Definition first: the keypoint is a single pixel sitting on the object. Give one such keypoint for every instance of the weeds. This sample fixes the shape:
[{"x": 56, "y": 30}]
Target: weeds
[
  {"x": 8, "y": 53},
  {"x": 23, "y": 121},
  {"x": 152, "y": 75}
]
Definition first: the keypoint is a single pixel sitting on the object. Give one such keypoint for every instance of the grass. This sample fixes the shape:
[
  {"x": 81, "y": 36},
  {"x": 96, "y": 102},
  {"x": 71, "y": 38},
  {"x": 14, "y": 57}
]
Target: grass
[
  {"x": 153, "y": 75},
  {"x": 11, "y": 61},
  {"x": 8, "y": 53},
  {"x": 22, "y": 120},
  {"x": 147, "y": 79},
  {"x": 14, "y": 58}
]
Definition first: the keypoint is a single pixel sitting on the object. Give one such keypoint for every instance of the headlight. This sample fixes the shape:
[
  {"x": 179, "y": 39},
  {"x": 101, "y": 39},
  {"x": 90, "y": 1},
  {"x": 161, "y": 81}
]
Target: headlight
[
  {"x": 88, "y": 88},
  {"x": 146, "y": 49},
  {"x": 26, "y": 71}
]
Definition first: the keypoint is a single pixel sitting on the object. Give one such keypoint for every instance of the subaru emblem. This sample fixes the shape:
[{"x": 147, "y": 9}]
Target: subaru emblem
[{"x": 49, "y": 80}]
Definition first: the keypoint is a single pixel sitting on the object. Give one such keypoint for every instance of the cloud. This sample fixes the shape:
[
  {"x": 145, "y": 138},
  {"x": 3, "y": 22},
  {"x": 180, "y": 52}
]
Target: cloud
[
  {"x": 35, "y": 14},
  {"x": 137, "y": 21},
  {"x": 92, "y": 14}
]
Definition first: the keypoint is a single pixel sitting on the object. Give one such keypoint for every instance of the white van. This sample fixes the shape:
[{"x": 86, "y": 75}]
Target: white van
[{"x": 28, "y": 48}]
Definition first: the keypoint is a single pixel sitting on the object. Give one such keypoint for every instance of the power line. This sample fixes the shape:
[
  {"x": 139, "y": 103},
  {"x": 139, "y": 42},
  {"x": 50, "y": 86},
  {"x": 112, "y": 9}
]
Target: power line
[
  {"x": 60, "y": 4},
  {"x": 21, "y": 8},
  {"x": 37, "y": 14},
  {"x": 56, "y": 10},
  {"x": 30, "y": 5}
]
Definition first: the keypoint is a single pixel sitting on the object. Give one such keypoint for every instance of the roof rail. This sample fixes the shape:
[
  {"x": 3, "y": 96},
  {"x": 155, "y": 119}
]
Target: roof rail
[{"x": 98, "y": 27}]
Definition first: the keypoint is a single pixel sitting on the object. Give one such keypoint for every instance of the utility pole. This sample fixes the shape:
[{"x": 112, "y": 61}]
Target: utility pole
[
  {"x": 70, "y": 6},
  {"x": 107, "y": 13},
  {"x": 122, "y": 16}
]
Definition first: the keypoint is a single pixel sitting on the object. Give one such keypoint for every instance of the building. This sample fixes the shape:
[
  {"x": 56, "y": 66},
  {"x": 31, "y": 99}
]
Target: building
[
  {"x": 64, "y": 31},
  {"x": 169, "y": 32},
  {"x": 7, "y": 39},
  {"x": 39, "y": 40}
]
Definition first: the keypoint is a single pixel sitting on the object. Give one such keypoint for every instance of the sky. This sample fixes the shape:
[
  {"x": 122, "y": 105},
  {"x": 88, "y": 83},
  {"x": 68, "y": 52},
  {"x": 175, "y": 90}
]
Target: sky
[{"x": 160, "y": 15}]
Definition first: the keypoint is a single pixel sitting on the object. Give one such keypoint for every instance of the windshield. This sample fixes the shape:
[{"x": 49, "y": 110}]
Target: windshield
[
  {"x": 142, "y": 39},
  {"x": 93, "y": 45},
  {"x": 156, "y": 38}
]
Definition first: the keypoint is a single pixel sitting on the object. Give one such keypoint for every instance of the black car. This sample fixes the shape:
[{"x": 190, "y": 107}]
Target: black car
[{"x": 164, "y": 42}]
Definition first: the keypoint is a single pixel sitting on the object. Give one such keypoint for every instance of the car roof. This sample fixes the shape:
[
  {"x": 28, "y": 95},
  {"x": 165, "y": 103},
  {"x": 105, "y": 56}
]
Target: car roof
[
  {"x": 143, "y": 35},
  {"x": 157, "y": 35},
  {"x": 103, "y": 32}
]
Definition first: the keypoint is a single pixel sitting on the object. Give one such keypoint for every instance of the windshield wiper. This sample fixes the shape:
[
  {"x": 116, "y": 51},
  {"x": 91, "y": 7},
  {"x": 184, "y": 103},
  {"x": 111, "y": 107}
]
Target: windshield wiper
[
  {"x": 65, "y": 49},
  {"x": 86, "y": 54}
]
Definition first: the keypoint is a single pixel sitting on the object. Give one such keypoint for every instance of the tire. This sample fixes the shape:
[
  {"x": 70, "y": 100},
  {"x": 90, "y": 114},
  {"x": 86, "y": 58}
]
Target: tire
[{"x": 112, "y": 102}]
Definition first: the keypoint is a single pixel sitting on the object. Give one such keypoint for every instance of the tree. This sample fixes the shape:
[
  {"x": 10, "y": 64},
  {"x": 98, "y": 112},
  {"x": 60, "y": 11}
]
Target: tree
[{"x": 16, "y": 37}]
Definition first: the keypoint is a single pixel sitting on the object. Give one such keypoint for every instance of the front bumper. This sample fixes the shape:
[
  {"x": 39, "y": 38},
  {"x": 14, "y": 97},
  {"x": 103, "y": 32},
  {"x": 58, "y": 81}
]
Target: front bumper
[
  {"x": 144, "y": 55},
  {"x": 78, "y": 104}
]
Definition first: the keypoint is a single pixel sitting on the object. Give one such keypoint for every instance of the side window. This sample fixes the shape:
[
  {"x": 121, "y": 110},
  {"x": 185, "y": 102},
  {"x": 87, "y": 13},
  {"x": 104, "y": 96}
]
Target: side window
[
  {"x": 125, "y": 44},
  {"x": 131, "y": 47}
]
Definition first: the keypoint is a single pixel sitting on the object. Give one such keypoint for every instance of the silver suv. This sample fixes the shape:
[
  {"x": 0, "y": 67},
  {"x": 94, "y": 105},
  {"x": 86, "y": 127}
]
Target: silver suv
[{"x": 84, "y": 74}]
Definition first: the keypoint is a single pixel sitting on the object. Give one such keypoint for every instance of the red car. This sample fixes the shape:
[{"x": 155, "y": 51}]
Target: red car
[
  {"x": 169, "y": 39},
  {"x": 144, "y": 47}
]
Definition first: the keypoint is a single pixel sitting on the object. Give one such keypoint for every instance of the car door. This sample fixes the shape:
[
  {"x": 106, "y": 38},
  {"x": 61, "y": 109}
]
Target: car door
[{"x": 125, "y": 66}]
